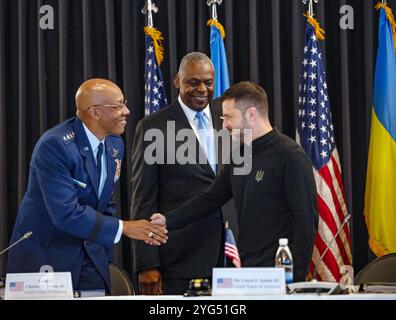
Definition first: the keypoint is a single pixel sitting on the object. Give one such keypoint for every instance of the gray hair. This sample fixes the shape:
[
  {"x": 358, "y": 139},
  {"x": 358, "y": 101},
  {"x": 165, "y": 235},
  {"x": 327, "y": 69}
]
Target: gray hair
[{"x": 197, "y": 57}]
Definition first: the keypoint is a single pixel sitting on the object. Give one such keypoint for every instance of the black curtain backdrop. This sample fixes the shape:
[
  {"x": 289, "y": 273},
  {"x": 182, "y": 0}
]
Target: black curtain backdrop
[{"x": 40, "y": 72}]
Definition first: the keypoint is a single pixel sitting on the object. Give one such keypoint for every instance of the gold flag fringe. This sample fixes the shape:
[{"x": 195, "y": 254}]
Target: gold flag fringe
[
  {"x": 319, "y": 32},
  {"x": 218, "y": 25},
  {"x": 157, "y": 37},
  {"x": 391, "y": 19},
  {"x": 375, "y": 246}
]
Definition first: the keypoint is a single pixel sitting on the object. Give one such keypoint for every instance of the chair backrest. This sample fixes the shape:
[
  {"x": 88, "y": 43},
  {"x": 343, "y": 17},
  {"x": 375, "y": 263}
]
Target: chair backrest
[
  {"x": 382, "y": 269},
  {"x": 121, "y": 284}
]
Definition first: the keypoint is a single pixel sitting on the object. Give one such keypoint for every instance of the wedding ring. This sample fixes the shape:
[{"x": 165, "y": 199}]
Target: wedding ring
[{"x": 151, "y": 234}]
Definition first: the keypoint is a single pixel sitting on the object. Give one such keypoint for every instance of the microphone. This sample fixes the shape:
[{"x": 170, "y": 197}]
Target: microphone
[
  {"x": 27, "y": 235},
  {"x": 314, "y": 285}
]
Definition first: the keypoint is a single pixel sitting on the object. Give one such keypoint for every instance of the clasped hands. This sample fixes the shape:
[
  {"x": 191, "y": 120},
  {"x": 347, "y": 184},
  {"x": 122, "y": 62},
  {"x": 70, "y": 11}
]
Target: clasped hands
[{"x": 153, "y": 233}]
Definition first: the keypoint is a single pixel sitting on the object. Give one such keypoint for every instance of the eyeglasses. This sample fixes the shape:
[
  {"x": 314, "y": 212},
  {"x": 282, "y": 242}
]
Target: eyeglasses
[{"x": 115, "y": 107}]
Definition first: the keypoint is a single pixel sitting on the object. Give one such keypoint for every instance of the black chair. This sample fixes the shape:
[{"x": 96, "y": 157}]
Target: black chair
[
  {"x": 382, "y": 269},
  {"x": 121, "y": 284}
]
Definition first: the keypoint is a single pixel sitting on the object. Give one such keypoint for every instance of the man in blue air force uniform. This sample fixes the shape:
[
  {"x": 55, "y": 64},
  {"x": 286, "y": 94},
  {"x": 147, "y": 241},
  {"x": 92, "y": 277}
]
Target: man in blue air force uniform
[{"x": 68, "y": 204}]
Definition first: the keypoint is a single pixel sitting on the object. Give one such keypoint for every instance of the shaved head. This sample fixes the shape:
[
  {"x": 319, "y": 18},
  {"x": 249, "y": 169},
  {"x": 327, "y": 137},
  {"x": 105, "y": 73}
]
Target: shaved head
[
  {"x": 101, "y": 107},
  {"x": 96, "y": 91}
]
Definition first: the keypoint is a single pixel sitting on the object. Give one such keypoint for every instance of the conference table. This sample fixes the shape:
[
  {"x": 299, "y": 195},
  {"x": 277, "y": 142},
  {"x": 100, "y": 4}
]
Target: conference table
[
  {"x": 285, "y": 297},
  {"x": 303, "y": 297}
]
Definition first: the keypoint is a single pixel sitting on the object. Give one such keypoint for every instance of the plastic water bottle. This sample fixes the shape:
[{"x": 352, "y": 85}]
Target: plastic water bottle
[{"x": 284, "y": 259}]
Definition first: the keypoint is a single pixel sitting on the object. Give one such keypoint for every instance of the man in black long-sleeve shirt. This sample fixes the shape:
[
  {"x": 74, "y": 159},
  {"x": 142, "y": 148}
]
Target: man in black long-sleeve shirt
[{"x": 277, "y": 199}]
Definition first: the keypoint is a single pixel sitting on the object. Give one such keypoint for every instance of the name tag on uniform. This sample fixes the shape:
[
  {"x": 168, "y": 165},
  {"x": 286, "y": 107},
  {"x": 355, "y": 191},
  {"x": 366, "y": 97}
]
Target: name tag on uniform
[
  {"x": 248, "y": 281},
  {"x": 46, "y": 285}
]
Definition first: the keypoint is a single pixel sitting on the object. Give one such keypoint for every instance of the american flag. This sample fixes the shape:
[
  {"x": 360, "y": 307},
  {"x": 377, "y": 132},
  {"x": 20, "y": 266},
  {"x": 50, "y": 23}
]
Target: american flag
[
  {"x": 224, "y": 283},
  {"x": 315, "y": 133},
  {"x": 16, "y": 286},
  {"x": 155, "y": 96},
  {"x": 230, "y": 248}
]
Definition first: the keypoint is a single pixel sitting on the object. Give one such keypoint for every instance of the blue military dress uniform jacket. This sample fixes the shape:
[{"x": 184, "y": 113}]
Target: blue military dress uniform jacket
[{"x": 62, "y": 208}]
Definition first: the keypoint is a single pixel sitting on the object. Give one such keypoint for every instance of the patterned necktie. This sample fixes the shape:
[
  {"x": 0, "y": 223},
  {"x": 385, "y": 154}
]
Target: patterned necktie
[
  {"x": 99, "y": 161},
  {"x": 205, "y": 137}
]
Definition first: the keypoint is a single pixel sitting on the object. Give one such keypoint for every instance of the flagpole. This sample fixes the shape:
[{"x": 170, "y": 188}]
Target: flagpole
[
  {"x": 213, "y": 4},
  {"x": 310, "y": 6},
  {"x": 148, "y": 10},
  {"x": 225, "y": 230}
]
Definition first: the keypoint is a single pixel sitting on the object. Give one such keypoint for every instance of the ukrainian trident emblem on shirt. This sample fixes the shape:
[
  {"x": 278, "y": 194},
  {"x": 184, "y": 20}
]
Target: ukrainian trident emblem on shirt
[{"x": 259, "y": 176}]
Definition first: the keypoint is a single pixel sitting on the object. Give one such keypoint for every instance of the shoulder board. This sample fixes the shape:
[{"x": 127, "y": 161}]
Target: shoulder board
[{"x": 68, "y": 136}]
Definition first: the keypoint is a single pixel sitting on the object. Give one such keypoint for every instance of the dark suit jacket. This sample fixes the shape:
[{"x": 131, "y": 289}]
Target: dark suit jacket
[
  {"x": 66, "y": 219},
  {"x": 193, "y": 251}
]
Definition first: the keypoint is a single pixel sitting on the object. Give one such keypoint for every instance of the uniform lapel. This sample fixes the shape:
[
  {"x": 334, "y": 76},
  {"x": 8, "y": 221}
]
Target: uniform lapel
[{"x": 87, "y": 154}]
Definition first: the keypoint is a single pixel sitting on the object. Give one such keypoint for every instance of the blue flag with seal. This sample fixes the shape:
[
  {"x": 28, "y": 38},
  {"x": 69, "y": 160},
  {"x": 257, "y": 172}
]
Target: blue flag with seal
[{"x": 218, "y": 57}]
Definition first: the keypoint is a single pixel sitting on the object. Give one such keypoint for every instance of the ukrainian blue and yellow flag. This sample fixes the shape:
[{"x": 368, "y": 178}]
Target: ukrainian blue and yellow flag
[
  {"x": 380, "y": 197},
  {"x": 218, "y": 57}
]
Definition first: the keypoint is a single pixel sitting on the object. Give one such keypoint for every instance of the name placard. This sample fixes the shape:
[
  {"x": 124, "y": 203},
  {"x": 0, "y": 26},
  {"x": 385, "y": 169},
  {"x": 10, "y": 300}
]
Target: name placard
[
  {"x": 47, "y": 285},
  {"x": 248, "y": 281}
]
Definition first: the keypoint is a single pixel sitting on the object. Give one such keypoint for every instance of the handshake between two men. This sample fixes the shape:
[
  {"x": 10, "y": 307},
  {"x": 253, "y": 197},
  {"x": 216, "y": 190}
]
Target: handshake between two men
[
  {"x": 158, "y": 219},
  {"x": 153, "y": 233}
]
